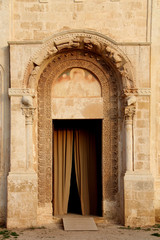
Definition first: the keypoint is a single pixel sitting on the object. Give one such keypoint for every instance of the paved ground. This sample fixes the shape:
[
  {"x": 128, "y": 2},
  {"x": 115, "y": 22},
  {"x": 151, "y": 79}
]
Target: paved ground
[{"x": 105, "y": 232}]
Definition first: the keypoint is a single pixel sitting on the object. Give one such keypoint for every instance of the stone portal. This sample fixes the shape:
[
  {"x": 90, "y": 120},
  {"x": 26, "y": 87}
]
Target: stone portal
[{"x": 75, "y": 75}]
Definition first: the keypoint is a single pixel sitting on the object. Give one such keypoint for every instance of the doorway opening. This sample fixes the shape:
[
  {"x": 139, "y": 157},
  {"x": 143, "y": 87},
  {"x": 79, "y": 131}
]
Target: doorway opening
[
  {"x": 74, "y": 203},
  {"x": 77, "y": 167}
]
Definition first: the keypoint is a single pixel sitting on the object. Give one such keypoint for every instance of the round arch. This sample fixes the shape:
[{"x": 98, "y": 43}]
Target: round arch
[
  {"x": 112, "y": 68},
  {"x": 110, "y": 93},
  {"x": 80, "y": 40}
]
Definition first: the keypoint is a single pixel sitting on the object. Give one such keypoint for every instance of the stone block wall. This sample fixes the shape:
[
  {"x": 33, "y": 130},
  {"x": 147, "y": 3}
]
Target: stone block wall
[
  {"x": 135, "y": 26},
  {"x": 138, "y": 203},
  {"x": 4, "y": 106},
  {"x": 155, "y": 103},
  {"x": 123, "y": 21},
  {"x": 142, "y": 135},
  {"x": 22, "y": 200}
]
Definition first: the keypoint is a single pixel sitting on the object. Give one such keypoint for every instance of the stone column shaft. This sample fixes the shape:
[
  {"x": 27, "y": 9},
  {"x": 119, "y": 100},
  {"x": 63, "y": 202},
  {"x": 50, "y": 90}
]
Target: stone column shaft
[
  {"x": 128, "y": 146},
  {"x": 129, "y": 113},
  {"x": 28, "y": 112}
]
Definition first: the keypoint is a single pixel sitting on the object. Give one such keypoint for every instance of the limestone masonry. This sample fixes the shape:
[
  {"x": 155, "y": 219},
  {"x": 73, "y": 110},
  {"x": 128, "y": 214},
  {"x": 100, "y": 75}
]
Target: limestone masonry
[{"x": 77, "y": 61}]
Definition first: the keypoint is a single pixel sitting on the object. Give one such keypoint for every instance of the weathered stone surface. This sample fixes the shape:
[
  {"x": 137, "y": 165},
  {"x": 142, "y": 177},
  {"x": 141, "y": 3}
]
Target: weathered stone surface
[
  {"x": 22, "y": 200},
  {"x": 121, "y": 42},
  {"x": 139, "y": 199}
]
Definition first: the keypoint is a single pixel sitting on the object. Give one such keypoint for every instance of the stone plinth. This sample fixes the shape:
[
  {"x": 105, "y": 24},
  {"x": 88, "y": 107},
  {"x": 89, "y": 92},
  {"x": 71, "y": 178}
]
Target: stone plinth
[
  {"x": 139, "y": 199},
  {"x": 22, "y": 200}
]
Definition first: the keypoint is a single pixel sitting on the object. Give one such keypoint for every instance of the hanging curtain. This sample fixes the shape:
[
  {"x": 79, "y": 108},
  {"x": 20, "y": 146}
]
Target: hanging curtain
[
  {"x": 63, "y": 147},
  {"x": 92, "y": 171},
  {"x": 85, "y": 167}
]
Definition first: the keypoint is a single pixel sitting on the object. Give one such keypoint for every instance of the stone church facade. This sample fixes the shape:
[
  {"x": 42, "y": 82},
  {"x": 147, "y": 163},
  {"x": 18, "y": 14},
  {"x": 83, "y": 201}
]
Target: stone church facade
[{"x": 95, "y": 60}]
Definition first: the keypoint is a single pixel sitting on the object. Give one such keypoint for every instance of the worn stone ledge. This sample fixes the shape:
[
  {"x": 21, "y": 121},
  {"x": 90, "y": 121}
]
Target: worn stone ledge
[{"x": 21, "y": 92}]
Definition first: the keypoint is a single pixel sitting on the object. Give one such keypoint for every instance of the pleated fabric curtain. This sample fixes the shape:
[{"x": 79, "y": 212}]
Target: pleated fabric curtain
[
  {"x": 85, "y": 167},
  {"x": 84, "y": 143},
  {"x": 63, "y": 149}
]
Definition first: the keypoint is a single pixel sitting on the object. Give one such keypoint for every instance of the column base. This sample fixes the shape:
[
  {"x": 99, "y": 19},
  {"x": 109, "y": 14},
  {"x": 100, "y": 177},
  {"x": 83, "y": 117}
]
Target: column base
[
  {"x": 22, "y": 200},
  {"x": 139, "y": 199}
]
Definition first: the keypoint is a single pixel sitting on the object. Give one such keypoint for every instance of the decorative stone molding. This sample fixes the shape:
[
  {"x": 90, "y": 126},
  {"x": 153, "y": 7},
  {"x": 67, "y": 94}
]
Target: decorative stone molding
[
  {"x": 21, "y": 92},
  {"x": 144, "y": 92},
  {"x": 102, "y": 57},
  {"x": 136, "y": 92},
  {"x": 129, "y": 92},
  {"x": 86, "y": 41},
  {"x": 66, "y": 43}
]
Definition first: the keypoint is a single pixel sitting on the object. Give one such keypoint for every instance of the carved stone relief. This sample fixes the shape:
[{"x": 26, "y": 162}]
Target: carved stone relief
[
  {"x": 101, "y": 56},
  {"x": 21, "y": 92},
  {"x": 109, "y": 86},
  {"x": 92, "y": 42}
]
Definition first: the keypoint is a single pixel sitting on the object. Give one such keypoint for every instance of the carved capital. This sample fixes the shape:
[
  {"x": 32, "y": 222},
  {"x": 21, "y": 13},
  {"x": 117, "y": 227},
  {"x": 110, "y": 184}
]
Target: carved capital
[
  {"x": 129, "y": 112},
  {"x": 29, "y": 114},
  {"x": 130, "y": 107}
]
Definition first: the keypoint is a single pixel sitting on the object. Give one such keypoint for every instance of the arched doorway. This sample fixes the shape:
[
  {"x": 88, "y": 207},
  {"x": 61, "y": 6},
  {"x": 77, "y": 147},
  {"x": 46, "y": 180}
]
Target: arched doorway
[
  {"x": 102, "y": 105},
  {"x": 100, "y": 56}
]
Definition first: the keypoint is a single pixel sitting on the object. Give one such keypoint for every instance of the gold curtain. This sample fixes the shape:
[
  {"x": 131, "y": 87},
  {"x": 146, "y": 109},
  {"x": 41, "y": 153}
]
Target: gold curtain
[
  {"x": 85, "y": 167},
  {"x": 63, "y": 148},
  {"x": 84, "y": 141}
]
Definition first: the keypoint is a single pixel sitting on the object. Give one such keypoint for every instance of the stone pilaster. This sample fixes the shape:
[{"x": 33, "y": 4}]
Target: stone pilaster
[
  {"x": 22, "y": 188},
  {"x": 138, "y": 186}
]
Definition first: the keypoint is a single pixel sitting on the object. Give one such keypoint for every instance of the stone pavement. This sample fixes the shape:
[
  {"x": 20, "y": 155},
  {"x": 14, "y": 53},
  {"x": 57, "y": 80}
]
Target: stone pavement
[{"x": 105, "y": 232}]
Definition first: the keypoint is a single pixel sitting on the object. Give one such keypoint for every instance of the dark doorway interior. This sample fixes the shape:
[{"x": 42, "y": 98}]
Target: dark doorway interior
[
  {"x": 90, "y": 127},
  {"x": 74, "y": 204}
]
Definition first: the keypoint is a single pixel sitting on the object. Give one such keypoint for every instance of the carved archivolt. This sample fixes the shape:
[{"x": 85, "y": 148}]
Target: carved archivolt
[
  {"x": 91, "y": 42},
  {"x": 109, "y": 64},
  {"x": 109, "y": 85}
]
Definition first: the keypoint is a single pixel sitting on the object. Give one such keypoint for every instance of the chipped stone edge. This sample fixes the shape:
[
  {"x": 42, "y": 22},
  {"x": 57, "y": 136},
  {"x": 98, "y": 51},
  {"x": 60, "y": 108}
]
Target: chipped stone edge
[{"x": 21, "y": 92}]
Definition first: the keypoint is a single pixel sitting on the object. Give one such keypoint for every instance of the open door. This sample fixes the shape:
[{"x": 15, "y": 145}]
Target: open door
[{"x": 77, "y": 167}]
